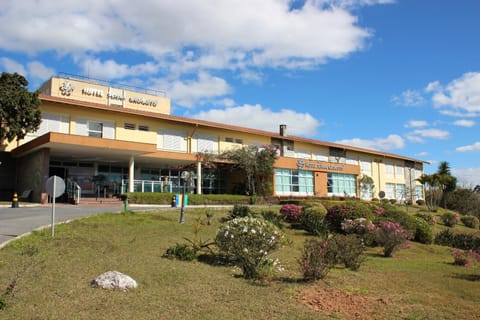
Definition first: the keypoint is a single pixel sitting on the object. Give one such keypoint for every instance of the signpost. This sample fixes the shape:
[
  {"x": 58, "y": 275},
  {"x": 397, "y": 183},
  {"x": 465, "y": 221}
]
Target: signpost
[{"x": 55, "y": 188}]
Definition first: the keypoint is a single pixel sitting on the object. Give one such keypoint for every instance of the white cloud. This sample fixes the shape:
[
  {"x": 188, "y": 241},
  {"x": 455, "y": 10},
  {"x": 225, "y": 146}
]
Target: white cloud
[
  {"x": 258, "y": 117},
  {"x": 391, "y": 142},
  {"x": 12, "y": 66},
  {"x": 460, "y": 97},
  {"x": 409, "y": 98},
  {"x": 355, "y": 3},
  {"x": 467, "y": 177},
  {"x": 39, "y": 71},
  {"x": 219, "y": 34},
  {"x": 419, "y": 135},
  {"x": 110, "y": 69},
  {"x": 472, "y": 147},
  {"x": 422, "y": 154},
  {"x": 464, "y": 123},
  {"x": 190, "y": 92},
  {"x": 416, "y": 124}
]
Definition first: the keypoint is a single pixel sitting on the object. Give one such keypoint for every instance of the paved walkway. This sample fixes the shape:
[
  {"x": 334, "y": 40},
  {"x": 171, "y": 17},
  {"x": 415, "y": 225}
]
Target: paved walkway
[{"x": 15, "y": 222}]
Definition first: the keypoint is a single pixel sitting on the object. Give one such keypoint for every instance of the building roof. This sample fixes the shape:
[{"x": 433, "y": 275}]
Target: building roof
[{"x": 216, "y": 125}]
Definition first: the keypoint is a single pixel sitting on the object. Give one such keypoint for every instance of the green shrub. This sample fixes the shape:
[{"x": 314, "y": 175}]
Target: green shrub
[
  {"x": 240, "y": 211},
  {"x": 313, "y": 220},
  {"x": 424, "y": 231},
  {"x": 274, "y": 217},
  {"x": 428, "y": 217},
  {"x": 181, "y": 252},
  {"x": 465, "y": 241},
  {"x": 470, "y": 221},
  {"x": 193, "y": 199},
  {"x": 248, "y": 241},
  {"x": 349, "y": 210},
  {"x": 318, "y": 258},
  {"x": 350, "y": 249},
  {"x": 450, "y": 219},
  {"x": 420, "y": 202}
]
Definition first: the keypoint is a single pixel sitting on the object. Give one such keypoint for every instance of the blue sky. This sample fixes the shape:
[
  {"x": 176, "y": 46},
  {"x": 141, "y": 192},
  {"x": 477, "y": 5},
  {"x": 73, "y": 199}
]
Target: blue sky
[{"x": 401, "y": 76}]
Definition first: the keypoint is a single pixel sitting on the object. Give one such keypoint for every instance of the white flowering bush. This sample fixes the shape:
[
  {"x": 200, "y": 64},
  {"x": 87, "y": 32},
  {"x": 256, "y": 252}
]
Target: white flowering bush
[{"x": 248, "y": 241}]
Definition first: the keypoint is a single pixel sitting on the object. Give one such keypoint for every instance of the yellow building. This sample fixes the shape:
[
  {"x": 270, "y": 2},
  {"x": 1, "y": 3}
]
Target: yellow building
[{"x": 108, "y": 140}]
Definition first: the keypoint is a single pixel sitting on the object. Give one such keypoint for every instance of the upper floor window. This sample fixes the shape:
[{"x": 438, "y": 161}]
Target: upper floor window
[
  {"x": 95, "y": 129},
  {"x": 338, "y": 155},
  {"x": 129, "y": 126},
  {"x": 366, "y": 167},
  {"x": 389, "y": 169},
  {"x": 142, "y": 127}
]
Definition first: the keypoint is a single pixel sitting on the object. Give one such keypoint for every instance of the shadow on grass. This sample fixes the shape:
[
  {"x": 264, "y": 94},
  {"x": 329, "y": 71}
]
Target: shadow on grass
[
  {"x": 468, "y": 277},
  {"x": 216, "y": 259}
]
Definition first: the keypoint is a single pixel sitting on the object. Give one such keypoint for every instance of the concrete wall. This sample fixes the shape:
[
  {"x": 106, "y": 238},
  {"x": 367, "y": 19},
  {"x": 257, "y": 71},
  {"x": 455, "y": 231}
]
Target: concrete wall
[{"x": 32, "y": 173}]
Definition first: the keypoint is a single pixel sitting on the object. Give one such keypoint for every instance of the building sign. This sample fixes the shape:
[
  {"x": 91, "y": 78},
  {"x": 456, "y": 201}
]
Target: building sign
[
  {"x": 66, "y": 88},
  {"x": 143, "y": 101},
  {"x": 92, "y": 92},
  {"x": 306, "y": 164}
]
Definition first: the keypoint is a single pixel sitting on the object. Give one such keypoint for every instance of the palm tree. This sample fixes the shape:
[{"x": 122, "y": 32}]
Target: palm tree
[{"x": 433, "y": 190}]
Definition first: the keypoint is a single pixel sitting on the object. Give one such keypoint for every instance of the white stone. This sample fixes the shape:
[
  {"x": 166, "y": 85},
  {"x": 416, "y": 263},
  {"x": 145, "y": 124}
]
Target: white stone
[{"x": 114, "y": 280}]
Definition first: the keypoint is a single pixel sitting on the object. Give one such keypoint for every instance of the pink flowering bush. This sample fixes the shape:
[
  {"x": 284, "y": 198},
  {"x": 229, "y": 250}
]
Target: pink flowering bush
[
  {"x": 291, "y": 212},
  {"x": 318, "y": 258},
  {"x": 465, "y": 257},
  {"x": 391, "y": 236}
]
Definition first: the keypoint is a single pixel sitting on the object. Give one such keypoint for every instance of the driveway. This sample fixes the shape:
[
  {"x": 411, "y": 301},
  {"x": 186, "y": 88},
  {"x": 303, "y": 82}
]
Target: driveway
[{"x": 15, "y": 222}]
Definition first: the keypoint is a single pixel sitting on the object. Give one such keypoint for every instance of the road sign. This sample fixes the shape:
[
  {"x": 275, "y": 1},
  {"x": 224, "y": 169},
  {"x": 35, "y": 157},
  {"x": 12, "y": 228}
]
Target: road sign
[{"x": 55, "y": 186}]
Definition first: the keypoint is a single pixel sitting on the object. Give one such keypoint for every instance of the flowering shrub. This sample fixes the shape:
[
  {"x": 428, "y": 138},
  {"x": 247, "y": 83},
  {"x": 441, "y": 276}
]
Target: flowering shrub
[
  {"x": 465, "y": 257},
  {"x": 361, "y": 227},
  {"x": 450, "y": 219},
  {"x": 424, "y": 232},
  {"x": 248, "y": 241},
  {"x": 350, "y": 249},
  {"x": 470, "y": 221},
  {"x": 348, "y": 210},
  {"x": 313, "y": 220},
  {"x": 357, "y": 226},
  {"x": 406, "y": 221},
  {"x": 318, "y": 257},
  {"x": 181, "y": 252},
  {"x": 291, "y": 212},
  {"x": 379, "y": 211},
  {"x": 463, "y": 241},
  {"x": 428, "y": 217},
  {"x": 390, "y": 235}
]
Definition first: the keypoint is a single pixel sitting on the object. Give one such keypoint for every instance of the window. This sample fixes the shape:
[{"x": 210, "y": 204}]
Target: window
[
  {"x": 53, "y": 123},
  {"x": 337, "y": 155},
  {"x": 142, "y": 127},
  {"x": 352, "y": 160},
  {"x": 399, "y": 191},
  {"x": 298, "y": 182},
  {"x": 390, "y": 191},
  {"x": 321, "y": 156},
  {"x": 419, "y": 192},
  {"x": 341, "y": 184},
  {"x": 399, "y": 171},
  {"x": 389, "y": 169},
  {"x": 172, "y": 140},
  {"x": 95, "y": 129},
  {"x": 129, "y": 126},
  {"x": 229, "y": 140},
  {"x": 303, "y": 154},
  {"x": 366, "y": 167},
  {"x": 207, "y": 144},
  {"x": 239, "y": 141}
]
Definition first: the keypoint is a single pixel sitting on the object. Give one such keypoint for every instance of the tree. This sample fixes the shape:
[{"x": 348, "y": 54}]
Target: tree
[
  {"x": 19, "y": 108},
  {"x": 447, "y": 182},
  {"x": 433, "y": 190},
  {"x": 257, "y": 166}
]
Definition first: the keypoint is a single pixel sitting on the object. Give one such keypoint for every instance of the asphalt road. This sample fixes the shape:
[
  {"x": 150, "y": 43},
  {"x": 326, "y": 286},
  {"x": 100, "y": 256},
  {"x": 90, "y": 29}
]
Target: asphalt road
[{"x": 15, "y": 222}]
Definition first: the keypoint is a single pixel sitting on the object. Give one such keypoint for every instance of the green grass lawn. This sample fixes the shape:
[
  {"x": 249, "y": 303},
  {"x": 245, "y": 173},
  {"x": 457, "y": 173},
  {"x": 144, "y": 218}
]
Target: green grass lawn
[{"x": 52, "y": 277}]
